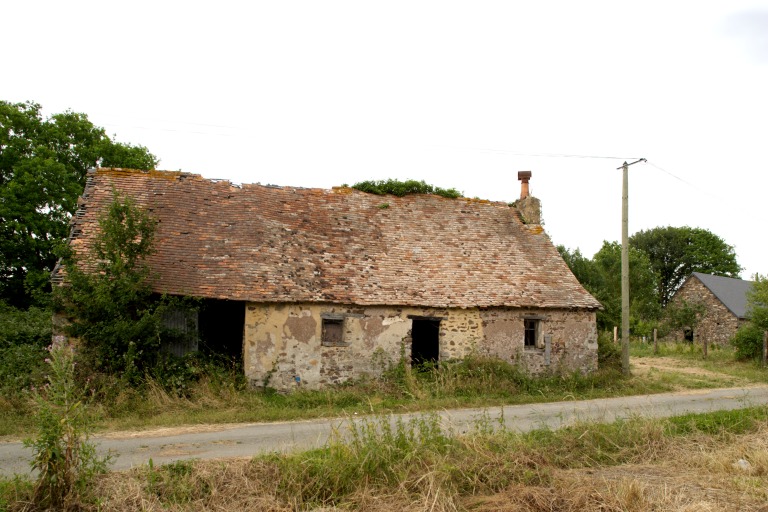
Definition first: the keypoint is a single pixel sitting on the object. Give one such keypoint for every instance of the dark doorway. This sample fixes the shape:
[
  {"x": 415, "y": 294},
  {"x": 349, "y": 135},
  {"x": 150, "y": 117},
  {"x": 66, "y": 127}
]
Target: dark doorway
[
  {"x": 221, "y": 327},
  {"x": 688, "y": 334},
  {"x": 425, "y": 346}
]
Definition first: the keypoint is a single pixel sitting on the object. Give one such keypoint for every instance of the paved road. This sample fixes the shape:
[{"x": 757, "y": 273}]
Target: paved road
[{"x": 251, "y": 439}]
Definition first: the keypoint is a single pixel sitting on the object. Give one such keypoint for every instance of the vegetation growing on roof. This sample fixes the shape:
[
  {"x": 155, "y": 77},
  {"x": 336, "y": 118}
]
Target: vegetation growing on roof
[{"x": 402, "y": 188}]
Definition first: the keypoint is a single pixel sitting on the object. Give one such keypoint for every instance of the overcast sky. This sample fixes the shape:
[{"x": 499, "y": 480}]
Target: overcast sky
[{"x": 459, "y": 94}]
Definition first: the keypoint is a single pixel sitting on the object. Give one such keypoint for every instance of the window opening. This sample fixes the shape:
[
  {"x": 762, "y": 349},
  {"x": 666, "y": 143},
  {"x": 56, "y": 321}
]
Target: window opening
[
  {"x": 333, "y": 332},
  {"x": 531, "y": 332}
]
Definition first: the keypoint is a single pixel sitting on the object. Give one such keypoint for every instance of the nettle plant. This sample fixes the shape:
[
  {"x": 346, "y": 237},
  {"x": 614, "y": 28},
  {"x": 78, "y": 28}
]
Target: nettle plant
[{"x": 65, "y": 460}]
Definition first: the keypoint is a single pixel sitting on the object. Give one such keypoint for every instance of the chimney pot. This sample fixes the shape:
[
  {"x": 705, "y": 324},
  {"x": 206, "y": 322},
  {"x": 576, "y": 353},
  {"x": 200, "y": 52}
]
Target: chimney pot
[{"x": 524, "y": 177}]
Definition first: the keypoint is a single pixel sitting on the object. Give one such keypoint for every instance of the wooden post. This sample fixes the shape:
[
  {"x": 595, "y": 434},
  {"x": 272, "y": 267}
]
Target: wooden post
[
  {"x": 765, "y": 348},
  {"x": 615, "y": 334},
  {"x": 625, "y": 270},
  {"x": 704, "y": 347},
  {"x": 655, "y": 342}
]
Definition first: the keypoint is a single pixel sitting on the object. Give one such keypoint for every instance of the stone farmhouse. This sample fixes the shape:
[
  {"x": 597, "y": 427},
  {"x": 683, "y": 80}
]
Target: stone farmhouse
[
  {"x": 313, "y": 287},
  {"x": 725, "y": 306}
]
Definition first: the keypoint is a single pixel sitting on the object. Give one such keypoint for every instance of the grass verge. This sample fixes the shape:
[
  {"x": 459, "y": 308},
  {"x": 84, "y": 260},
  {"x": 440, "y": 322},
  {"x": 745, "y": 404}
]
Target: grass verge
[
  {"x": 715, "y": 461},
  {"x": 473, "y": 382}
]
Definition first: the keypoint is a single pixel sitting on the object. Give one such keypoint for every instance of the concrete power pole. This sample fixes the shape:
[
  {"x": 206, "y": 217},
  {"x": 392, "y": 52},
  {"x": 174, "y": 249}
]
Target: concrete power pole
[{"x": 625, "y": 266}]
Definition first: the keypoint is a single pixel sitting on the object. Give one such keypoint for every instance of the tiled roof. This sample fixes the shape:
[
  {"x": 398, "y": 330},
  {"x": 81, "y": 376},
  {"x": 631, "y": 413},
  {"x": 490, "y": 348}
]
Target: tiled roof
[
  {"x": 284, "y": 244},
  {"x": 731, "y": 292}
]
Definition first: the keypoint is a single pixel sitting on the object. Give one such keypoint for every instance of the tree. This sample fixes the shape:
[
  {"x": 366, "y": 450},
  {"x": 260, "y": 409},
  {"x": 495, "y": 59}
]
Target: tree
[
  {"x": 107, "y": 294},
  {"x": 675, "y": 253},
  {"x": 43, "y": 165},
  {"x": 601, "y": 276},
  {"x": 749, "y": 338}
]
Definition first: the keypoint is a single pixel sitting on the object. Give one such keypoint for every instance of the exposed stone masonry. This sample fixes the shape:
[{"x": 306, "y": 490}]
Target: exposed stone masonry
[
  {"x": 717, "y": 325},
  {"x": 283, "y": 346}
]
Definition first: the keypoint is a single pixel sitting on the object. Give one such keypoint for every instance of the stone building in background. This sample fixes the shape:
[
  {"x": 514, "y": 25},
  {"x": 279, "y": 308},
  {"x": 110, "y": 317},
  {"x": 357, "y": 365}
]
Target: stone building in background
[
  {"x": 314, "y": 287},
  {"x": 724, "y": 301}
]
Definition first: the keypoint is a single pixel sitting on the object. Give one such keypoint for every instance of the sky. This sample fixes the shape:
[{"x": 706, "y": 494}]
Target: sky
[{"x": 459, "y": 94}]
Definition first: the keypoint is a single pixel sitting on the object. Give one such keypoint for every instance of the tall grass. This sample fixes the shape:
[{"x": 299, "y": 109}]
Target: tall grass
[
  {"x": 219, "y": 395},
  {"x": 382, "y": 464}
]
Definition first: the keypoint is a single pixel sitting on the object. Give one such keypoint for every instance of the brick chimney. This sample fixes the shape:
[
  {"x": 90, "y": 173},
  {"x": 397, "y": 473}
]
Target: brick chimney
[
  {"x": 528, "y": 206},
  {"x": 524, "y": 177}
]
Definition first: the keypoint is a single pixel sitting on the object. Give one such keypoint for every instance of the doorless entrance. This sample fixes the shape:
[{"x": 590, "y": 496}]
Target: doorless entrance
[{"x": 425, "y": 346}]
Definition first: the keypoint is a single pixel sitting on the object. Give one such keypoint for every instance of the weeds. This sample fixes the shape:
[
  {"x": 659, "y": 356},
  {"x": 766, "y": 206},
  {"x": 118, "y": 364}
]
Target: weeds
[
  {"x": 378, "y": 453},
  {"x": 65, "y": 461},
  {"x": 216, "y": 392},
  {"x": 380, "y": 464}
]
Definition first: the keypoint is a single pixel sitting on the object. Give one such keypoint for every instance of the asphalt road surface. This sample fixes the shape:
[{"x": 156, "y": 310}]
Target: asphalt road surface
[{"x": 245, "y": 440}]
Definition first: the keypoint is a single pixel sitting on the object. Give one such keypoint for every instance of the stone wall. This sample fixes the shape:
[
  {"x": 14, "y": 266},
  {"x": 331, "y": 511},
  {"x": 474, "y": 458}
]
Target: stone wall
[
  {"x": 283, "y": 348},
  {"x": 717, "y": 325}
]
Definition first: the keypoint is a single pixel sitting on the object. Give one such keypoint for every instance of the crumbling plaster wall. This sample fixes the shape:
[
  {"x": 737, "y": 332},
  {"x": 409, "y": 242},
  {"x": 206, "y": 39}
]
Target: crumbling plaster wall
[
  {"x": 717, "y": 325},
  {"x": 283, "y": 341}
]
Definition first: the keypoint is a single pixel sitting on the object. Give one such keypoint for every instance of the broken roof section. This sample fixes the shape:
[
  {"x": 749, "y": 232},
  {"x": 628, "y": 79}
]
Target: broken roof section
[{"x": 284, "y": 244}]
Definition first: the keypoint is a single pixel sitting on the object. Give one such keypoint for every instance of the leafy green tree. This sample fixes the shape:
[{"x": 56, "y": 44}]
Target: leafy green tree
[
  {"x": 675, "y": 253},
  {"x": 585, "y": 270},
  {"x": 601, "y": 276},
  {"x": 749, "y": 338},
  {"x": 107, "y": 294},
  {"x": 43, "y": 165}
]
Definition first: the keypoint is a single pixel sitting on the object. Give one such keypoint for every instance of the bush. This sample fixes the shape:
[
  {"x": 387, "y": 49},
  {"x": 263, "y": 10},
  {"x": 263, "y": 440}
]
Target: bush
[
  {"x": 112, "y": 308},
  {"x": 21, "y": 367},
  {"x": 402, "y": 188},
  {"x": 748, "y": 342},
  {"x": 608, "y": 352},
  {"x": 24, "y": 327},
  {"x": 177, "y": 375},
  {"x": 23, "y": 338}
]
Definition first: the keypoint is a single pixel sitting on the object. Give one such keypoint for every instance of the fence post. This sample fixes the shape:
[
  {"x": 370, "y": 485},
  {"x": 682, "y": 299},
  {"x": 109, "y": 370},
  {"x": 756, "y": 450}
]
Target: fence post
[
  {"x": 655, "y": 342},
  {"x": 704, "y": 346},
  {"x": 765, "y": 348},
  {"x": 615, "y": 334}
]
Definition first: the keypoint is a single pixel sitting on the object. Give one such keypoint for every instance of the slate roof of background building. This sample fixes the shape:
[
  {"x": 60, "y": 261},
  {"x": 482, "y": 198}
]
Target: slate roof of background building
[
  {"x": 285, "y": 244},
  {"x": 730, "y": 291}
]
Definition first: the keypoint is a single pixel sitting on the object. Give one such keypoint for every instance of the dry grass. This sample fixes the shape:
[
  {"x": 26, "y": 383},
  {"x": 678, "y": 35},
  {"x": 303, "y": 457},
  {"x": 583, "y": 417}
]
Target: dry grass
[{"x": 479, "y": 473}]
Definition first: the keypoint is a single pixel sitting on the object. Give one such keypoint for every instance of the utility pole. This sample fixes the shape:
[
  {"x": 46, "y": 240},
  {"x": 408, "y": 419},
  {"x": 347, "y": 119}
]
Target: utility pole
[{"x": 625, "y": 266}]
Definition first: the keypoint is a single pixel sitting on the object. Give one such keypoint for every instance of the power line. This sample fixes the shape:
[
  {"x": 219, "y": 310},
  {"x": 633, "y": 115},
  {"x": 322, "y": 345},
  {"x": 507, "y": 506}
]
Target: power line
[
  {"x": 157, "y": 128},
  {"x": 166, "y": 121},
  {"x": 551, "y": 155},
  {"x": 673, "y": 175}
]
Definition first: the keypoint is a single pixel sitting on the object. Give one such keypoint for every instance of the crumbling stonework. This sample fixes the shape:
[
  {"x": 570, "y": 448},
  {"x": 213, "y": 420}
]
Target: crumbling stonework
[
  {"x": 530, "y": 210},
  {"x": 284, "y": 349},
  {"x": 717, "y": 325}
]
